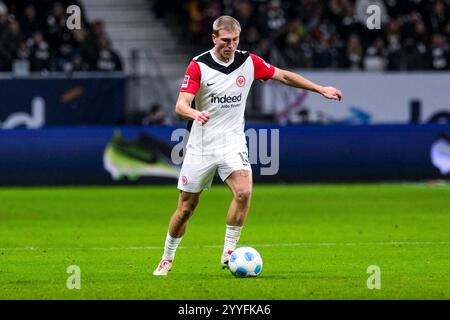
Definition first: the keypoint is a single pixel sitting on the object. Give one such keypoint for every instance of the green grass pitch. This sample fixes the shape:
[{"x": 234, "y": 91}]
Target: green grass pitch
[{"x": 317, "y": 242}]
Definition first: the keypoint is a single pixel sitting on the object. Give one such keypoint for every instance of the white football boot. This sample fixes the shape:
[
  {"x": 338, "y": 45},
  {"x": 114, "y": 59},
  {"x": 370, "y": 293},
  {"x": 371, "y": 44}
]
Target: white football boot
[
  {"x": 163, "y": 268},
  {"x": 225, "y": 258}
]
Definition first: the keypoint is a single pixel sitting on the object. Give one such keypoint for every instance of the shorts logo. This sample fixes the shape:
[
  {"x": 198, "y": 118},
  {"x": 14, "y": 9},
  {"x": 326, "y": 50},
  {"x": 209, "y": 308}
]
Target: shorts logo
[
  {"x": 184, "y": 180},
  {"x": 240, "y": 81},
  {"x": 186, "y": 81}
]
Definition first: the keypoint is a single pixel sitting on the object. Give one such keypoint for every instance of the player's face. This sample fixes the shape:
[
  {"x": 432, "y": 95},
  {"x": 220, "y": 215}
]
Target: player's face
[{"x": 226, "y": 43}]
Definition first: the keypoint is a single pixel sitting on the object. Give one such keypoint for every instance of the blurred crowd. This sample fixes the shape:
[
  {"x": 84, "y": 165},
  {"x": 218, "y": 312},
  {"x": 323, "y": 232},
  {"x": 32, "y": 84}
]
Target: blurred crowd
[
  {"x": 326, "y": 34},
  {"x": 36, "y": 31}
]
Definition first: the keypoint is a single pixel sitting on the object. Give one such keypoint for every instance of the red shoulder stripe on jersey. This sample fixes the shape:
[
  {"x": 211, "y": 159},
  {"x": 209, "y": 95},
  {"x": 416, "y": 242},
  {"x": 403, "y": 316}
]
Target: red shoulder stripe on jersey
[
  {"x": 192, "y": 77},
  {"x": 263, "y": 70}
]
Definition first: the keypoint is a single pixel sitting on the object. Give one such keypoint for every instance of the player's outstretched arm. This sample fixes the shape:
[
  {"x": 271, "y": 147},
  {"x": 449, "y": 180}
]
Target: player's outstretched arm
[
  {"x": 183, "y": 109},
  {"x": 294, "y": 80}
]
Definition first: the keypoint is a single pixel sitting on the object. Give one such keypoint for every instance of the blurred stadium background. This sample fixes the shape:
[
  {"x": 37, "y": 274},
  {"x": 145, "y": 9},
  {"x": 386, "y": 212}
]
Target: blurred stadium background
[
  {"x": 123, "y": 67},
  {"x": 95, "y": 106}
]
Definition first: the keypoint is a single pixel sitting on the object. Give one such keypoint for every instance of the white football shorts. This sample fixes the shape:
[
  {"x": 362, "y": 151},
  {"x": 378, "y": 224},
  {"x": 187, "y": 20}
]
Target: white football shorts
[{"x": 198, "y": 171}]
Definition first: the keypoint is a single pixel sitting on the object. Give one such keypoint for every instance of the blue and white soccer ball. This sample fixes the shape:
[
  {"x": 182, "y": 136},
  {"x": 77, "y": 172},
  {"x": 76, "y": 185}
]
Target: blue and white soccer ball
[{"x": 245, "y": 262}]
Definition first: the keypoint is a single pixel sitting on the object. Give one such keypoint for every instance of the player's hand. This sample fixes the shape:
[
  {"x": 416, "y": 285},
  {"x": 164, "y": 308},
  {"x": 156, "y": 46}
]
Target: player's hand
[
  {"x": 331, "y": 93},
  {"x": 202, "y": 117}
]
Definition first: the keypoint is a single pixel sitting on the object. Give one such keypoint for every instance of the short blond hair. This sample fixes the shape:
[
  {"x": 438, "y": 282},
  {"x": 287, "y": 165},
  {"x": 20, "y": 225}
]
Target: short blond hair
[{"x": 227, "y": 23}]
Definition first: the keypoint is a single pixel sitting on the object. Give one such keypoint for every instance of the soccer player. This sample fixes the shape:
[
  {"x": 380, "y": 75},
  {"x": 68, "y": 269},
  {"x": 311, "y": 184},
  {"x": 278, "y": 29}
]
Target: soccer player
[{"x": 213, "y": 95}]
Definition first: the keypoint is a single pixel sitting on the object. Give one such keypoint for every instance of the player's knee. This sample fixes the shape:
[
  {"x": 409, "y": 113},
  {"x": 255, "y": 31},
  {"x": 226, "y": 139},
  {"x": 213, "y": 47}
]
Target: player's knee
[
  {"x": 187, "y": 209},
  {"x": 243, "y": 195}
]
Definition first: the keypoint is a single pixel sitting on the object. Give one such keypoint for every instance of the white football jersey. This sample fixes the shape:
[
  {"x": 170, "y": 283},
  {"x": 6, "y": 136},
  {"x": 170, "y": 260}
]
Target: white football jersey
[{"x": 222, "y": 89}]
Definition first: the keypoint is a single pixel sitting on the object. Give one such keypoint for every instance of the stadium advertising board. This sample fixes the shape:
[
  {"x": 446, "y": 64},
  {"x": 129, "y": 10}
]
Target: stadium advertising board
[
  {"x": 36, "y": 103},
  {"x": 118, "y": 155},
  {"x": 369, "y": 98}
]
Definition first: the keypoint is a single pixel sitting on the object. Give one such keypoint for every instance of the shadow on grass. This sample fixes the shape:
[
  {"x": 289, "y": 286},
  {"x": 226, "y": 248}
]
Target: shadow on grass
[{"x": 226, "y": 275}]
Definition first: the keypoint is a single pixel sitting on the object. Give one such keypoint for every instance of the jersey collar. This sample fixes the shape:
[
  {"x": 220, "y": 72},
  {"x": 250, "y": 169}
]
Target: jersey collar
[{"x": 226, "y": 64}]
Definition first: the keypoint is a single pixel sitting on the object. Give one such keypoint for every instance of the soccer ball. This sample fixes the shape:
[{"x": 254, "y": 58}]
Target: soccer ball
[{"x": 245, "y": 262}]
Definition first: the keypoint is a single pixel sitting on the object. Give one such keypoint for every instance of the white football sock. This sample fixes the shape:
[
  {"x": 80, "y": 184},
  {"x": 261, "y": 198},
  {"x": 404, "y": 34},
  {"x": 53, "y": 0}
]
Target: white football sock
[
  {"x": 232, "y": 236},
  {"x": 170, "y": 247}
]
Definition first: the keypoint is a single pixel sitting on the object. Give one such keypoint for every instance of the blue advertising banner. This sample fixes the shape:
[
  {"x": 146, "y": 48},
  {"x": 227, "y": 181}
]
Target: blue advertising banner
[
  {"x": 130, "y": 155},
  {"x": 36, "y": 103}
]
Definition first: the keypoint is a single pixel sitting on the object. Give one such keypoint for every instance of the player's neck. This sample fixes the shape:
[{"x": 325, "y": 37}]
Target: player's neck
[{"x": 220, "y": 57}]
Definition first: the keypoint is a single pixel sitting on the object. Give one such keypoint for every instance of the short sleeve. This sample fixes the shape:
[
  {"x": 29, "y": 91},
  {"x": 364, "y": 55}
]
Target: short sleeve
[
  {"x": 263, "y": 70},
  {"x": 191, "y": 81}
]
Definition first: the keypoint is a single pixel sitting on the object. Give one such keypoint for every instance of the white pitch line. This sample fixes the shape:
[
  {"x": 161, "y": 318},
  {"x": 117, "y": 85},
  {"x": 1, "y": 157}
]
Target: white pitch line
[{"x": 299, "y": 244}]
